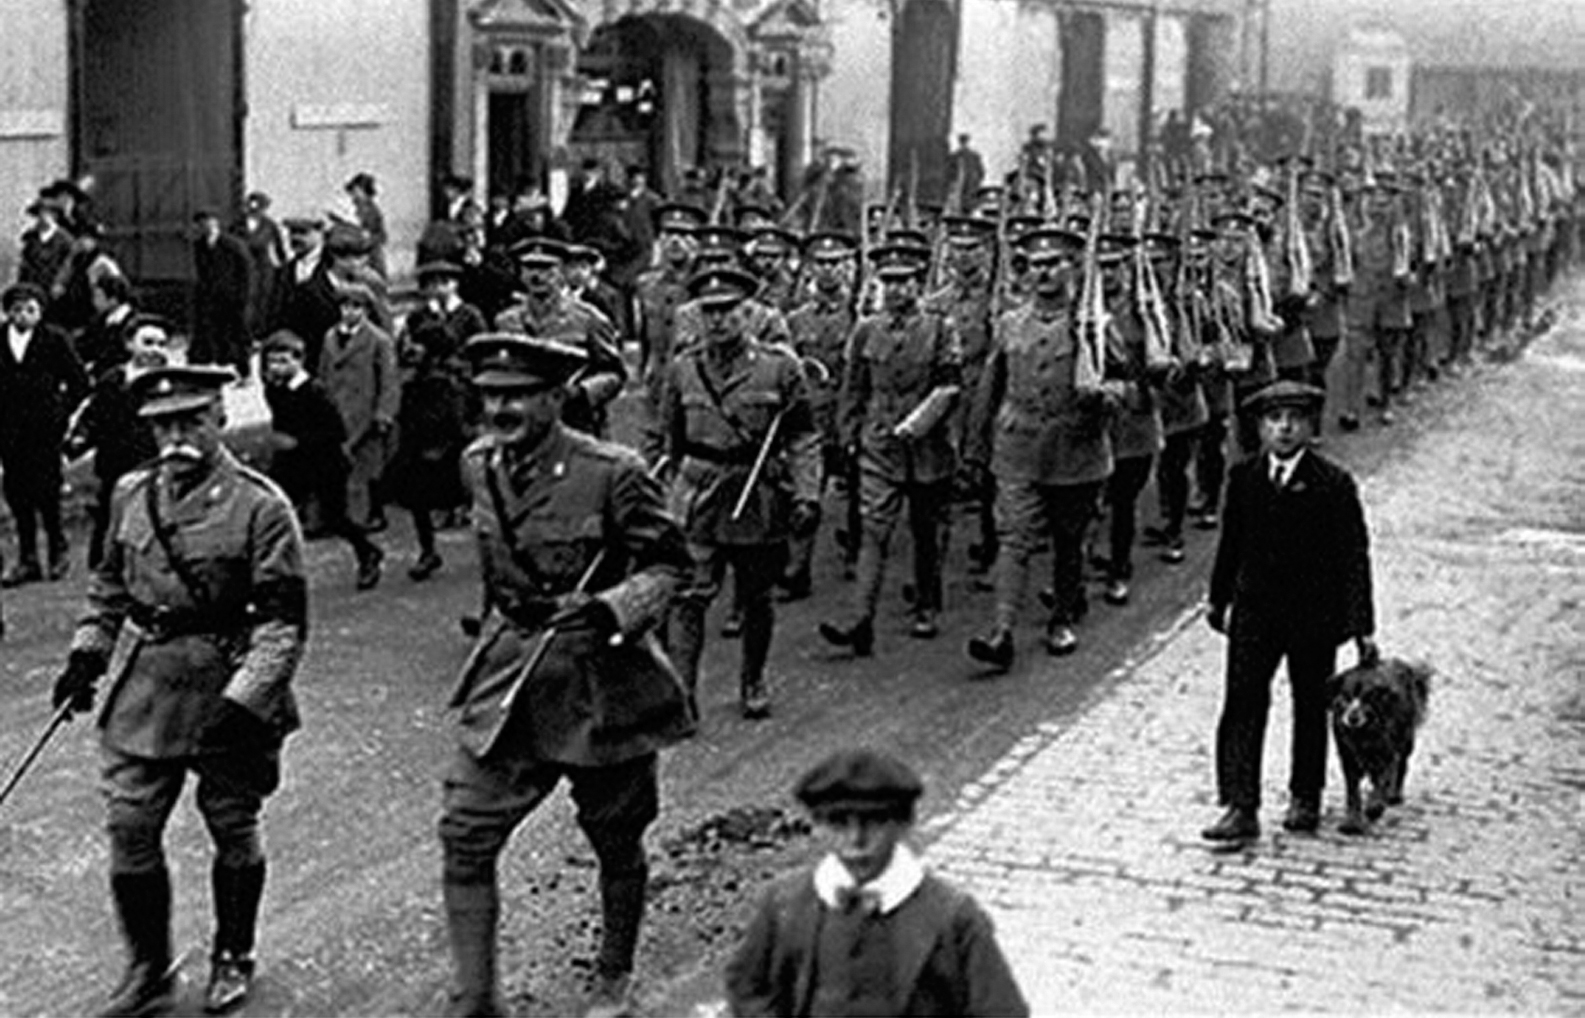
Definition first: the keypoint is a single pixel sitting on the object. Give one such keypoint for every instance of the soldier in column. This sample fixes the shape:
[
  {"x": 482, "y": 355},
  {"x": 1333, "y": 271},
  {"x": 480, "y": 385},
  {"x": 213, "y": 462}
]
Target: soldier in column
[
  {"x": 658, "y": 293},
  {"x": 1046, "y": 441},
  {"x": 903, "y": 375},
  {"x": 197, "y": 615},
  {"x": 545, "y": 310},
  {"x": 1184, "y": 412},
  {"x": 820, "y": 330},
  {"x": 967, "y": 300},
  {"x": 742, "y": 436},
  {"x": 581, "y": 559},
  {"x": 769, "y": 253}
]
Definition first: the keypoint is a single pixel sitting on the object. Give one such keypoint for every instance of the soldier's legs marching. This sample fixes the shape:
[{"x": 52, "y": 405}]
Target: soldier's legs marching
[
  {"x": 1021, "y": 528},
  {"x": 139, "y": 797},
  {"x": 685, "y": 638},
  {"x": 881, "y": 496},
  {"x": 1210, "y": 469},
  {"x": 1069, "y": 510},
  {"x": 1172, "y": 484},
  {"x": 1122, "y": 495},
  {"x": 231, "y": 791},
  {"x": 929, "y": 516},
  {"x": 755, "y": 569}
]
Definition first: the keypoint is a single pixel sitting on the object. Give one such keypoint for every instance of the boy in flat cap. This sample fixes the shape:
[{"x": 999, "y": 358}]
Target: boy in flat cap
[
  {"x": 197, "y": 615},
  {"x": 867, "y": 931},
  {"x": 1292, "y": 580},
  {"x": 568, "y": 680}
]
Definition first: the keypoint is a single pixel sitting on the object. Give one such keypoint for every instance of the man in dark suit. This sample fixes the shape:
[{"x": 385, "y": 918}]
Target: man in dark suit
[
  {"x": 220, "y": 296},
  {"x": 1292, "y": 580},
  {"x": 41, "y": 383},
  {"x": 305, "y": 295},
  {"x": 868, "y": 930}
]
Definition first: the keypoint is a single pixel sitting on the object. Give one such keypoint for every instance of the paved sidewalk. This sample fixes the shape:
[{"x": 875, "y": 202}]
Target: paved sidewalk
[{"x": 1470, "y": 897}]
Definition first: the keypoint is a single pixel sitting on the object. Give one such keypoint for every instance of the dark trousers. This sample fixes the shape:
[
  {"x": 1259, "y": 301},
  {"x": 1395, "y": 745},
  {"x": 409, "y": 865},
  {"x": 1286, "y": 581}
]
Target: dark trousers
[
  {"x": 1122, "y": 499},
  {"x": 1254, "y": 651},
  {"x": 1210, "y": 463},
  {"x": 1027, "y": 515},
  {"x": 329, "y": 492},
  {"x": 1461, "y": 319},
  {"x": 755, "y": 568},
  {"x": 1172, "y": 479},
  {"x": 140, "y": 794},
  {"x": 32, "y": 486},
  {"x": 884, "y": 498}
]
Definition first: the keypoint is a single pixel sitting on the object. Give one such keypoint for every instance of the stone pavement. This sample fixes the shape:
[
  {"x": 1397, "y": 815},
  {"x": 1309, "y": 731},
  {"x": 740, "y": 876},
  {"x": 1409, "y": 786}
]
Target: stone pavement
[{"x": 1083, "y": 841}]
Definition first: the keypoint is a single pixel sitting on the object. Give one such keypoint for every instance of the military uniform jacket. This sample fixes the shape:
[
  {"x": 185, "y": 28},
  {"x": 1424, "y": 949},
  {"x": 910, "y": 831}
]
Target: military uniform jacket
[
  {"x": 1029, "y": 422},
  {"x": 661, "y": 292},
  {"x": 1136, "y": 427},
  {"x": 760, "y": 322},
  {"x": 233, "y": 628},
  {"x": 540, "y": 524},
  {"x": 570, "y": 321},
  {"x": 820, "y": 330},
  {"x": 894, "y": 363},
  {"x": 716, "y": 418}
]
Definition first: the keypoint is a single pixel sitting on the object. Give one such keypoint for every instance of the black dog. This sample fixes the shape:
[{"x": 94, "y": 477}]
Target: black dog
[{"x": 1375, "y": 713}]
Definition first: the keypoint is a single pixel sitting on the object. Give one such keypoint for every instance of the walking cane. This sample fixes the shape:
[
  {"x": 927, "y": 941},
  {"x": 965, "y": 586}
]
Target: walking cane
[
  {"x": 61, "y": 717},
  {"x": 759, "y": 465}
]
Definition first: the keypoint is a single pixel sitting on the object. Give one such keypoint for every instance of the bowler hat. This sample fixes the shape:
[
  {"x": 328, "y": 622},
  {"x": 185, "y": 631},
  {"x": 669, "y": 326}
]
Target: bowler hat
[
  {"x": 506, "y": 360},
  {"x": 177, "y": 388},
  {"x": 860, "y": 781},
  {"x": 1285, "y": 393}
]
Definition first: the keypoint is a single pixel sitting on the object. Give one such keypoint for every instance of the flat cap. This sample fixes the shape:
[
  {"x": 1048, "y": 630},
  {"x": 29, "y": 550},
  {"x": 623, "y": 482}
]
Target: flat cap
[
  {"x": 345, "y": 238},
  {"x": 860, "y": 781},
  {"x": 18, "y": 292},
  {"x": 507, "y": 360},
  {"x": 1285, "y": 393},
  {"x": 175, "y": 389}
]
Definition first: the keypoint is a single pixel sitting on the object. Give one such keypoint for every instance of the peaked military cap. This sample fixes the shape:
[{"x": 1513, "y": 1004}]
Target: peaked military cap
[
  {"x": 1019, "y": 226},
  {"x": 915, "y": 238},
  {"x": 968, "y": 231},
  {"x": 679, "y": 217},
  {"x": 860, "y": 781},
  {"x": 899, "y": 261},
  {"x": 538, "y": 252},
  {"x": 721, "y": 286},
  {"x": 750, "y": 210},
  {"x": 1285, "y": 393},
  {"x": 1048, "y": 243},
  {"x": 771, "y": 238},
  {"x": 507, "y": 360},
  {"x": 1230, "y": 221},
  {"x": 174, "y": 389},
  {"x": 830, "y": 246},
  {"x": 581, "y": 254},
  {"x": 715, "y": 236}
]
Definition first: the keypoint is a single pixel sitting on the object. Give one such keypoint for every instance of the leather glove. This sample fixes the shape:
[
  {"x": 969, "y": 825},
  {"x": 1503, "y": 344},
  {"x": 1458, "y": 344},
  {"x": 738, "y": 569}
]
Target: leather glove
[
  {"x": 1369, "y": 653},
  {"x": 1217, "y": 617},
  {"x": 584, "y": 612},
  {"x": 75, "y": 685},
  {"x": 232, "y": 726},
  {"x": 805, "y": 517}
]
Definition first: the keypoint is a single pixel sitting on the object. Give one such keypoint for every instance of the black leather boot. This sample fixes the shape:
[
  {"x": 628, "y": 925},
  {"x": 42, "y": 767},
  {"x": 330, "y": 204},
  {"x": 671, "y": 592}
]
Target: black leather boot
[
  {"x": 994, "y": 648},
  {"x": 621, "y": 915},
  {"x": 860, "y": 636},
  {"x": 237, "y": 893},
  {"x": 143, "y": 904},
  {"x": 471, "y": 914}
]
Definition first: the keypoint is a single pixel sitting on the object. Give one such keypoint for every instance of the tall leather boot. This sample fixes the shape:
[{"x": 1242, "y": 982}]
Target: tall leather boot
[
  {"x": 143, "y": 904},
  {"x": 759, "y": 625},
  {"x": 237, "y": 891},
  {"x": 622, "y": 913},
  {"x": 471, "y": 914}
]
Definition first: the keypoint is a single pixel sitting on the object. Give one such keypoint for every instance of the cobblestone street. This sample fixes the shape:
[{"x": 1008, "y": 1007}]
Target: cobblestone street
[{"x": 1084, "y": 839}]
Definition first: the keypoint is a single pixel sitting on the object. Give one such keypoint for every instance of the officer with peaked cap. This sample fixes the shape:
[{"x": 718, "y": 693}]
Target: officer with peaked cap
[
  {"x": 201, "y": 683},
  {"x": 733, "y": 402},
  {"x": 903, "y": 378},
  {"x": 818, "y": 333},
  {"x": 568, "y": 679}
]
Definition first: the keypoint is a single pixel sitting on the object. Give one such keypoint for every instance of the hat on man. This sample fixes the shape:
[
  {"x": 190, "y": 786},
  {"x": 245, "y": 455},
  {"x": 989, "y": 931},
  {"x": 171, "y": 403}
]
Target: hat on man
[
  {"x": 16, "y": 293},
  {"x": 256, "y": 201},
  {"x": 899, "y": 261},
  {"x": 355, "y": 293},
  {"x": 283, "y": 341},
  {"x": 718, "y": 287},
  {"x": 302, "y": 224},
  {"x": 679, "y": 217},
  {"x": 439, "y": 270},
  {"x": 581, "y": 254},
  {"x": 829, "y": 246},
  {"x": 750, "y": 210},
  {"x": 346, "y": 238},
  {"x": 1049, "y": 244},
  {"x": 507, "y": 360},
  {"x": 968, "y": 231},
  {"x": 1228, "y": 222},
  {"x": 1286, "y": 393},
  {"x": 908, "y": 237},
  {"x": 715, "y": 237},
  {"x": 175, "y": 389},
  {"x": 771, "y": 240},
  {"x": 1021, "y": 225},
  {"x": 860, "y": 781},
  {"x": 63, "y": 188},
  {"x": 538, "y": 253}
]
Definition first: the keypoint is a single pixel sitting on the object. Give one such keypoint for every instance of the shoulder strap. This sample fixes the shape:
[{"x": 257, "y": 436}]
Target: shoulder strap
[
  {"x": 719, "y": 402},
  {"x": 492, "y": 481},
  {"x": 165, "y": 533}
]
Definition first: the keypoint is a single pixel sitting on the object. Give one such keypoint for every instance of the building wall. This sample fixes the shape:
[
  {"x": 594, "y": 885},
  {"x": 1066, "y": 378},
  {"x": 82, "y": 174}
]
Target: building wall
[
  {"x": 1009, "y": 74},
  {"x": 852, "y": 108},
  {"x": 336, "y": 87},
  {"x": 33, "y": 110}
]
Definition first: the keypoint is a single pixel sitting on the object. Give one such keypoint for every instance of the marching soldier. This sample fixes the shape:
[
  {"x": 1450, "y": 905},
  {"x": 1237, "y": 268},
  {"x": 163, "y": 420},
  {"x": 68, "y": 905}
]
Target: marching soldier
[
  {"x": 661, "y": 291},
  {"x": 719, "y": 247},
  {"x": 740, "y": 430},
  {"x": 820, "y": 330},
  {"x": 197, "y": 614},
  {"x": 768, "y": 253},
  {"x": 1046, "y": 441},
  {"x": 903, "y": 374},
  {"x": 546, "y": 311},
  {"x": 581, "y": 558},
  {"x": 967, "y": 300}
]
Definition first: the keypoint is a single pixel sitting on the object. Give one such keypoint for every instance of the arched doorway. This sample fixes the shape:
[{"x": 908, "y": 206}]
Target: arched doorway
[
  {"x": 157, "y": 122},
  {"x": 659, "y": 92}
]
